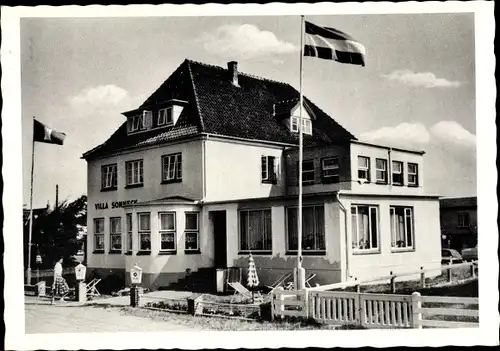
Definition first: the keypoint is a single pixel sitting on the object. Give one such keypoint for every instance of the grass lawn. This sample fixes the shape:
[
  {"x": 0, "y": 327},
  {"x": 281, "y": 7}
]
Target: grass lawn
[
  {"x": 226, "y": 324},
  {"x": 461, "y": 285}
]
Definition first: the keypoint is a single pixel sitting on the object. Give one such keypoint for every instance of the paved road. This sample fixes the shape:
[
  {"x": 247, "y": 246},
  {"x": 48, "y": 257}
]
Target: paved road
[{"x": 46, "y": 318}]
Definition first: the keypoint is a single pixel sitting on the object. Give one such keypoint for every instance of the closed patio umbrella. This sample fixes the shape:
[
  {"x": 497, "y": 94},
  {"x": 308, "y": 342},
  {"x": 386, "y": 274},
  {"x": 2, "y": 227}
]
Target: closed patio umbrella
[{"x": 253, "y": 279}]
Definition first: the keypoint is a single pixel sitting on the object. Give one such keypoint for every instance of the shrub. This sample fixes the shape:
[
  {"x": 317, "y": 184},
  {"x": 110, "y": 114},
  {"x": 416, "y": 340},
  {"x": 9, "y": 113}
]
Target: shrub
[{"x": 351, "y": 327}]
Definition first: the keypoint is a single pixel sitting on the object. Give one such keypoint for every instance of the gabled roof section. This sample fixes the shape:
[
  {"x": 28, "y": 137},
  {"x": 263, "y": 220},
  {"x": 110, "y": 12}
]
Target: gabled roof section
[
  {"x": 216, "y": 106},
  {"x": 246, "y": 111},
  {"x": 177, "y": 87}
]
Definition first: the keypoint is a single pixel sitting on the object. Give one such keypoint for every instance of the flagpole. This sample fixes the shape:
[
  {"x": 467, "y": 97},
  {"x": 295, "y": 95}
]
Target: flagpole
[
  {"x": 28, "y": 273},
  {"x": 300, "y": 271}
]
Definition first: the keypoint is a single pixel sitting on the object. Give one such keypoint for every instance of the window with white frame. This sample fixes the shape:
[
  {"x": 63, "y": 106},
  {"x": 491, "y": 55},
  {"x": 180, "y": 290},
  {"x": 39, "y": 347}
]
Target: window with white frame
[
  {"x": 313, "y": 228},
  {"x": 397, "y": 173},
  {"x": 165, "y": 117},
  {"x": 401, "y": 227},
  {"x": 463, "y": 220},
  {"x": 136, "y": 123},
  {"x": 167, "y": 231},
  {"x": 412, "y": 174},
  {"x": 172, "y": 167},
  {"x": 99, "y": 234},
  {"x": 144, "y": 220},
  {"x": 364, "y": 168},
  {"x": 294, "y": 124},
  {"x": 306, "y": 125},
  {"x": 268, "y": 169},
  {"x": 109, "y": 177},
  {"x": 330, "y": 169},
  {"x": 115, "y": 233},
  {"x": 307, "y": 171},
  {"x": 381, "y": 170},
  {"x": 255, "y": 230},
  {"x": 135, "y": 171},
  {"x": 365, "y": 232},
  {"x": 129, "y": 232},
  {"x": 192, "y": 232}
]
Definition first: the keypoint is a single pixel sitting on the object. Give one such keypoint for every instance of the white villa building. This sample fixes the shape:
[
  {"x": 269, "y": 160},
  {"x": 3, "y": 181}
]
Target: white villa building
[{"x": 204, "y": 173}]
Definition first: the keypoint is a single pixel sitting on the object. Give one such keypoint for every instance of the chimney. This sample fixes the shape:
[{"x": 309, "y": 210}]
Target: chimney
[{"x": 232, "y": 67}]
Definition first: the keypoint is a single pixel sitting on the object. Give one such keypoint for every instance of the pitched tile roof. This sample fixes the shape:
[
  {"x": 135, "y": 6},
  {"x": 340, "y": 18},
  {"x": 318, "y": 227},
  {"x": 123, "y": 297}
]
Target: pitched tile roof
[
  {"x": 458, "y": 202},
  {"x": 216, "y": 106}
]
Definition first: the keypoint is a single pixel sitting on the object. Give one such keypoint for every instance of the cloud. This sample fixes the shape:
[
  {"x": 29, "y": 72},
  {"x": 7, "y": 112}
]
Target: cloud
[
  {"x": 404, "y": 133},
  {"x": 450, "y": 133},
  {"x": 422, "y": 79},
  {"x": 245, "y": 41},
  {"x": 100, "y": 96},
  {"x": 453, "y": 133}
]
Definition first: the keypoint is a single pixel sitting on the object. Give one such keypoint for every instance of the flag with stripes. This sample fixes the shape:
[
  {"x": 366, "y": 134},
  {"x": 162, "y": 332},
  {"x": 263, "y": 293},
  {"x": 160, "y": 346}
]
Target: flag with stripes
[
  {"x": 44, "y": 134},
  {"x": 332, "y": 44}
]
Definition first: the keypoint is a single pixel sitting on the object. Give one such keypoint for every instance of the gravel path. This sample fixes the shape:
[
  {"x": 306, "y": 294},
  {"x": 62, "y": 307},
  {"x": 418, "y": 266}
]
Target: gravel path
[{"x": 45, "y": 318}]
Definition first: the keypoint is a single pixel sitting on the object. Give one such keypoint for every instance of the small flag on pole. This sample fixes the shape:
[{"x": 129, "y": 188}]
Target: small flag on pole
[
  {"x": 332, "y": 44},
  {"x": 44, "y": 134}
]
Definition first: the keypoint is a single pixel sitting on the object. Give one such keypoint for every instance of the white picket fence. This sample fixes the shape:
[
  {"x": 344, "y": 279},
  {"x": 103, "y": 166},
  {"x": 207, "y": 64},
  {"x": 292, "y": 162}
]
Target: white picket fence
[
  {"x": 372, "y": 310},
  {"x": 420, "y": 311},
  {"x": 289, "y": 303}
]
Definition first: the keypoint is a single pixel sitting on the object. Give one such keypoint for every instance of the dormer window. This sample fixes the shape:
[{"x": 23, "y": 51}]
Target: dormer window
[
  {"x": 165, "y": 117},
  {"x": 306, "y": 125},
  {"x": 294, "y": 124},
  {"x": 136, "y": 123},
  {"x": 139, "y": 122}
]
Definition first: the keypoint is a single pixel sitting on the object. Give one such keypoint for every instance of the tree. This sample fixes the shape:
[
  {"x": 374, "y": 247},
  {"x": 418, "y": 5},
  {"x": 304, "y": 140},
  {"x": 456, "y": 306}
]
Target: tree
[{"x": 55, "y": 232}]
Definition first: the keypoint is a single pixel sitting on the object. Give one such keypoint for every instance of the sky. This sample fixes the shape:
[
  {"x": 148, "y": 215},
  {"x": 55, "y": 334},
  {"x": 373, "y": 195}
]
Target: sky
[{"x": 416, "y": 91}]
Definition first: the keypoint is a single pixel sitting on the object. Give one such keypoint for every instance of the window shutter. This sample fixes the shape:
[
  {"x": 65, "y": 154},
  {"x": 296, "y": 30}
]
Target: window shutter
[{"x": 264, "y": 168}]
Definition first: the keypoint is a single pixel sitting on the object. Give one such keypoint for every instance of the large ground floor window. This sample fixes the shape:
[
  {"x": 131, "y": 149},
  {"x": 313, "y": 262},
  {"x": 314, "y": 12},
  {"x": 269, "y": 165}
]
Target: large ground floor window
[
  {"x": 99, "y": 234},
  {"x": 313, "y": 228},
  {"x": 167, "y": 231},
  {"x": 401, "y": 227},
  {"x": 129, "y": 232},
  {"x": 255, "y": 230},
  {"x": 364, "y": 227},
  {"x": 144, "y": 231}
]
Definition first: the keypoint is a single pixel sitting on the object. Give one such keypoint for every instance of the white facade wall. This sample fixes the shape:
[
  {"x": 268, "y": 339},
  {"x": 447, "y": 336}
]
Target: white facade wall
[
  {"x": 190, "y": 187},
  {"x": 227, "y": 172},
  {"x": 427, "y": 239},
  {"x": 233, "y": 170},
  {"x": 374, "y": 152}
]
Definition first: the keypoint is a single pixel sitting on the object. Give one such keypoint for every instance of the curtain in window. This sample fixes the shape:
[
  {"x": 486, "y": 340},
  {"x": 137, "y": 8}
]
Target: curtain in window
[
  {"x": 363, "y": 232},
  {"x": 313, "y": 228},
  {"x": 167, "y": 221},
  {"x": 409, "y": 226},
  {"x": 255, "y": 230}
]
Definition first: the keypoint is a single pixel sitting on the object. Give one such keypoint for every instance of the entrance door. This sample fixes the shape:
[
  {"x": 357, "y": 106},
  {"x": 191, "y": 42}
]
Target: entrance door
[{"x": 220, "y": 250}]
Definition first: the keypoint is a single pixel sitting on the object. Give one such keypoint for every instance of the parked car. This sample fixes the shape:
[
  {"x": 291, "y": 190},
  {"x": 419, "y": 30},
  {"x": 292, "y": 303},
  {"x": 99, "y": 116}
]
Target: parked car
[
  {"x": 470, "y": 254},
  {"x": 451, "y": 255}
]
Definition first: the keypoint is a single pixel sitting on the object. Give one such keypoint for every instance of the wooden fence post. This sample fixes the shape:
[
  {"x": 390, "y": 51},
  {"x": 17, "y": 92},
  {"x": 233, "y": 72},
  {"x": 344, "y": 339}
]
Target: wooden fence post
[
  {"x": 416, "y": 304},
  {"x": 358, "y": 288},
  {"x": 422, "y": 277},
  {"x": 449, "y": 271},
  {"x": 273, "y": 295},
  {"x": 281, "y": 298},
  {"x": 360, "y": 311},
  {"x": 306, "y": 303},
  {"x": 393, "y": 283}
]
